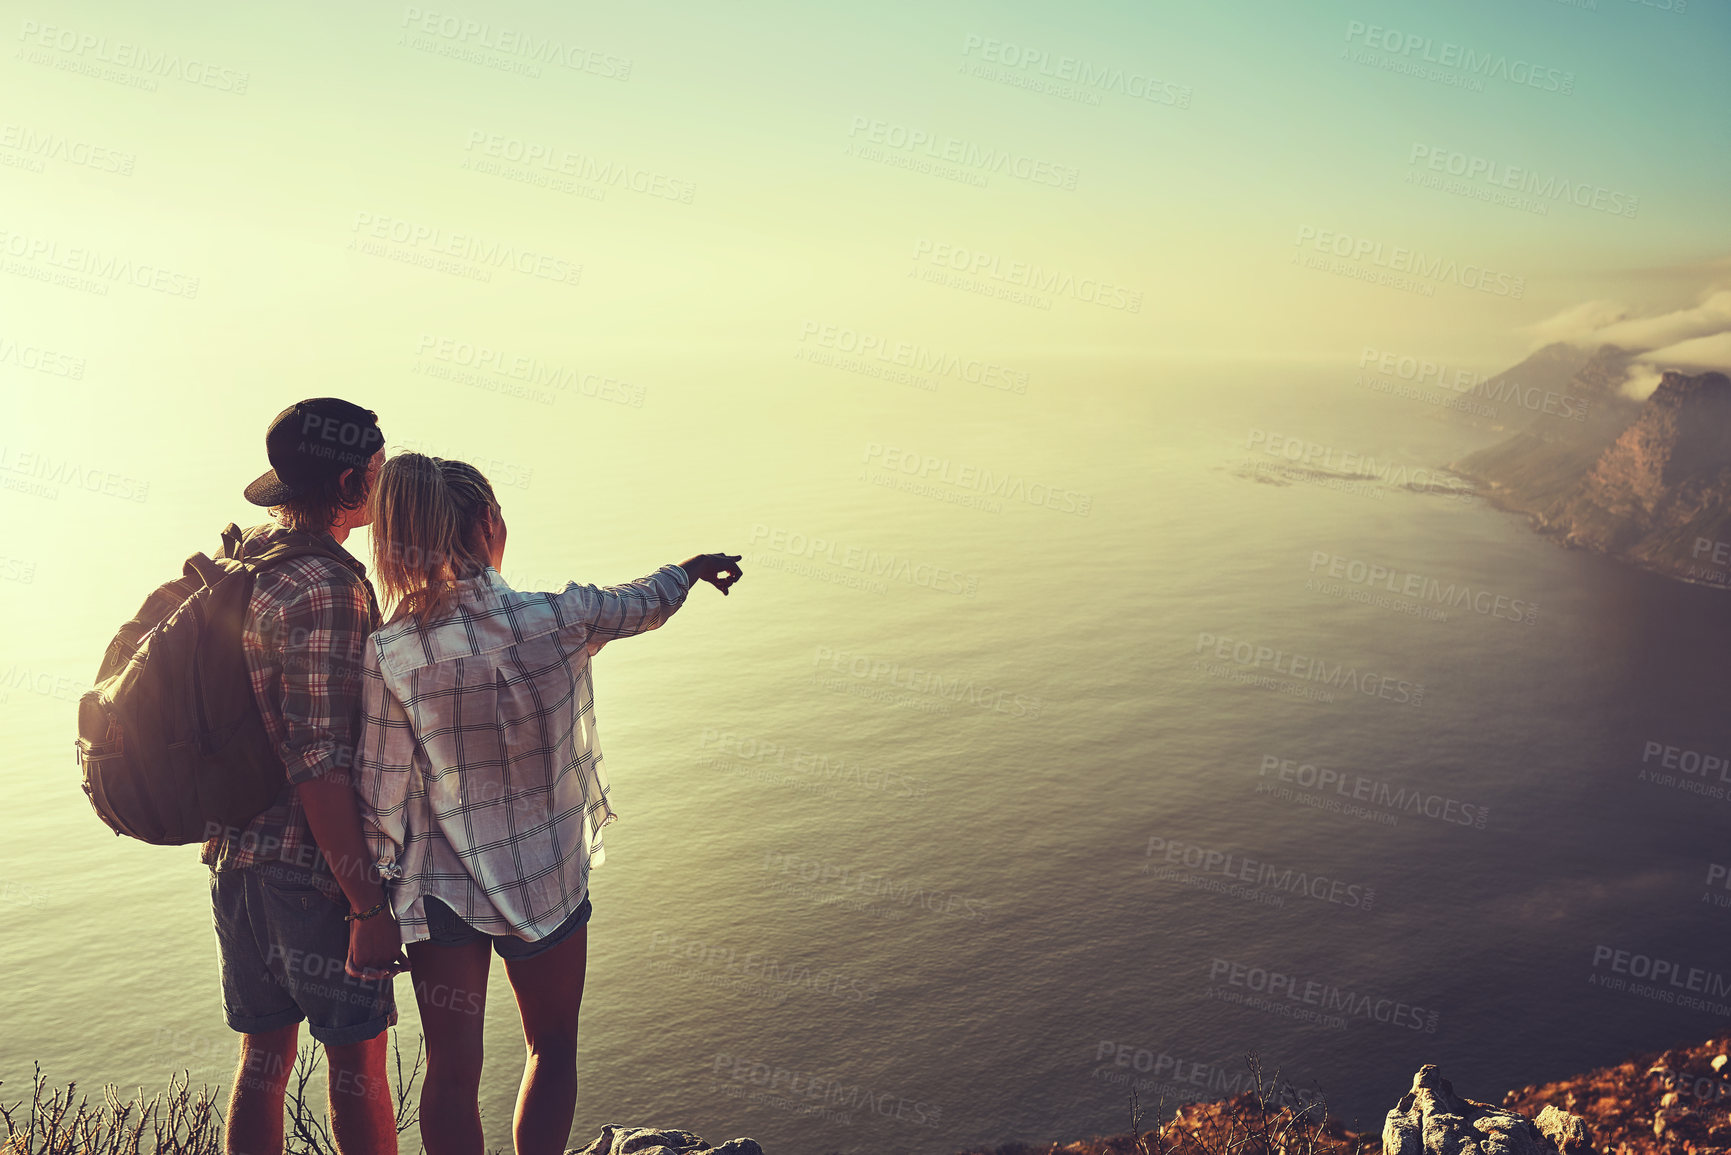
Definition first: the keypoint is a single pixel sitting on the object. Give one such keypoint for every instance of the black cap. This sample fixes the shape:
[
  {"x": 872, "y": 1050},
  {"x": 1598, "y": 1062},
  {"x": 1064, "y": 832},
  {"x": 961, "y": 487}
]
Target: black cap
[{"x": 314, "y": 441}]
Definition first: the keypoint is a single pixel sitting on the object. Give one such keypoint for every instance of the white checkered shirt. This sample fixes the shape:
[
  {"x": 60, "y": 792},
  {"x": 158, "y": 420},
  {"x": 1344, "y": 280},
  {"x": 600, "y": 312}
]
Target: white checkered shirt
[{"x": 480, "y": 773}]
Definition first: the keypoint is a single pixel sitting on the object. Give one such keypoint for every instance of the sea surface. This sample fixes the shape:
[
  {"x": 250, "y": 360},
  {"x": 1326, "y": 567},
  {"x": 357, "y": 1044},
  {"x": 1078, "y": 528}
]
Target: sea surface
[{"x": 948, "y": 830}]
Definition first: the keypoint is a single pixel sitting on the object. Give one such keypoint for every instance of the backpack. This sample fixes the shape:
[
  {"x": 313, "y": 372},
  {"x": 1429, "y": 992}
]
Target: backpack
[{"x": 170, "y": 739}]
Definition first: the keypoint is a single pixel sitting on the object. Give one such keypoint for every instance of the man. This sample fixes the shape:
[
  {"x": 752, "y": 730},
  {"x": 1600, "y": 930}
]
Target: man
[{"x": 302, "y": 926}]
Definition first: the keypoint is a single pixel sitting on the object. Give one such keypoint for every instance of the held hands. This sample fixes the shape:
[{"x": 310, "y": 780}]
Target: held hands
[
  {"x": 720, "y": 570},
  {"x": 375, "y": 948}
]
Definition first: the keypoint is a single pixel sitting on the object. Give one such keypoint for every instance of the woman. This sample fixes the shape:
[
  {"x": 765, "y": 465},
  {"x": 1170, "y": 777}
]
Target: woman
[{"x": 482, "y": 784}]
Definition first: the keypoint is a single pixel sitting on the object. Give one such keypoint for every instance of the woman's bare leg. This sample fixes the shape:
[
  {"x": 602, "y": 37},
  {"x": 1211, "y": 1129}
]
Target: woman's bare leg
[
  {"x": 549, "y": 988},
  {"x": 451, "y": 990}
]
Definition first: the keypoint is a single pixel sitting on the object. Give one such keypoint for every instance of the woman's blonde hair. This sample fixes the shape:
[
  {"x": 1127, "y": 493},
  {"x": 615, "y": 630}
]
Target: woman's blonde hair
[{"x": 427, "y": 519}]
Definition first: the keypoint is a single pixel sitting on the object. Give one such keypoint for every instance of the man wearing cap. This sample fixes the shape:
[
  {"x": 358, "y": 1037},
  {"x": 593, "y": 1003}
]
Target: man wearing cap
[{"x": 302, "y": 926}]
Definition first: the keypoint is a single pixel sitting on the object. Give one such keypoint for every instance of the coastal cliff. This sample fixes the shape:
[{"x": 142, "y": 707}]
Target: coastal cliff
[
  {"x": 1646, "y": 482},
  {"x": 1671, "y": 1102}
]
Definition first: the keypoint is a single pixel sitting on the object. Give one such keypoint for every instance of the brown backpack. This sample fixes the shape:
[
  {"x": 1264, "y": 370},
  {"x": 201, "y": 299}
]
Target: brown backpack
[{"x": 170, "y": 739}]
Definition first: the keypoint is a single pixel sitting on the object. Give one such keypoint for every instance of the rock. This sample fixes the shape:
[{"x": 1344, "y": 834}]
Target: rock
[
  {"x": 617, "y": 1140},
  {"x": 1644, "y": 482},
  {"x": 1431, "y": 1119},
  {"x": 1567, "y": 1133}
]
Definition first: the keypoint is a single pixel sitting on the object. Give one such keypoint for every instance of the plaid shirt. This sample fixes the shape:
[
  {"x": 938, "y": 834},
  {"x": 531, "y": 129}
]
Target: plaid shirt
[
  {"x": 480, "y": 772},
  {"x": 306, "y": 628}
]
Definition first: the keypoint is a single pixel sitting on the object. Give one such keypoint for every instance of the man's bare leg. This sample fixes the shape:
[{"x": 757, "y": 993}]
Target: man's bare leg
[
  {"x": 363, "y": 1118},
  {"x": 255, "y": 1103}
]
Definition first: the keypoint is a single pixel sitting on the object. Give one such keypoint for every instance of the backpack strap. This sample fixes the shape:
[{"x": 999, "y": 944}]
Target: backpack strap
[
  {"x": 232, "y": 540},
  {"x": 282, "y": 551},
  {"x": 204, "y": 569}
]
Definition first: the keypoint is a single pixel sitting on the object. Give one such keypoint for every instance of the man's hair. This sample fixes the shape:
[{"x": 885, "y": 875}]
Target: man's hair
[
  {"x": 318, "y": 508},
  {"x": 427, "y": 517}
]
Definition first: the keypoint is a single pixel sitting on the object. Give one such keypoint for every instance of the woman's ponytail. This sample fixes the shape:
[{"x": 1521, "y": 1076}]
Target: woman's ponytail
[{"x": 427, "y": 516}]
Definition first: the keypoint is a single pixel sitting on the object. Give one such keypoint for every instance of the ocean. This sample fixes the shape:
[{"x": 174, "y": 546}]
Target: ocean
[{"x": 1054, "y": 744}]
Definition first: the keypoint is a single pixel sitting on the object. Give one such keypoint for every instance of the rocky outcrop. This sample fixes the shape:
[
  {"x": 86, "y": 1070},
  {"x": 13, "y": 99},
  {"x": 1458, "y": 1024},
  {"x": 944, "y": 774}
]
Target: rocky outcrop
[
  {"x": 617, "y": 1140},
  {"x": 1672, "y": 1102},
  {"x": 1665, "y": 484},
  {"x": 1555, "y": 380},
  {"x": 1677, "y": 1100},
  {"x": 1649, "y": 483},
  {"x": 1546, "y": 460},
  {"x": 1431, "y": 1119}
]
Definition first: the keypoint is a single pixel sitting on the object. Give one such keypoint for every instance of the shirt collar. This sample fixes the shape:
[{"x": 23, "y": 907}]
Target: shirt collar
[{"x": 272, "y": 531}]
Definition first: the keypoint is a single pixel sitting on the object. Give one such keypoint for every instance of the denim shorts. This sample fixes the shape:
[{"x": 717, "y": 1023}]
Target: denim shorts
[
  {"x": 445, "y": 927},
  {"x": 282, "y": 944}
]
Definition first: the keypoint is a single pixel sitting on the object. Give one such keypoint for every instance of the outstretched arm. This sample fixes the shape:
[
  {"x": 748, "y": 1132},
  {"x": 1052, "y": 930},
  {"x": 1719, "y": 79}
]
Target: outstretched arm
[{"x": 596, "y": 615}]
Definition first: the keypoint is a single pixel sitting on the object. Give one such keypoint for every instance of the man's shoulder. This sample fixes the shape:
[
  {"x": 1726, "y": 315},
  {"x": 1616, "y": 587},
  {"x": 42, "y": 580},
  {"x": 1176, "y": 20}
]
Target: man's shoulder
[{"x": 313, "y": 581}]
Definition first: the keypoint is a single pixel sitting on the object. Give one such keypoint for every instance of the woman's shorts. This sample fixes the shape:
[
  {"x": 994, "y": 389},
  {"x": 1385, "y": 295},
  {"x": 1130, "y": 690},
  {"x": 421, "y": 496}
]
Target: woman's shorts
[{"x": 446, "y": 928}]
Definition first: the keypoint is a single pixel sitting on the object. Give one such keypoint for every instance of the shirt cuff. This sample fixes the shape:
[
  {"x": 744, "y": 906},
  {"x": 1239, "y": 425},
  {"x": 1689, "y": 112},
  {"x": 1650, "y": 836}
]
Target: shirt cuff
[{"x": 326, "y": 762}]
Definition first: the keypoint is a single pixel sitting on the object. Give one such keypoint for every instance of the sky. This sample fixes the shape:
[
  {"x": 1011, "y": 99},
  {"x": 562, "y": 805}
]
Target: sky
[{"x": 211, "y": 211}]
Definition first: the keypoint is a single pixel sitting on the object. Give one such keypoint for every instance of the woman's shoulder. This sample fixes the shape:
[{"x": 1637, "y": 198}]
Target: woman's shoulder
[{"x": 488, "y": 616}]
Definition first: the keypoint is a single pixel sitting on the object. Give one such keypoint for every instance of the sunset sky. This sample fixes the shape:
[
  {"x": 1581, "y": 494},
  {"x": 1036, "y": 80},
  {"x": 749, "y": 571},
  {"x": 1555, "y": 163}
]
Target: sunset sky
[{"x": 717, "y": 201}]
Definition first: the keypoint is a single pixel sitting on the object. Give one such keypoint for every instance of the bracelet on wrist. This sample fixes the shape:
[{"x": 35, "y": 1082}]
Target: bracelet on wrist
[{"x": 362, "y": 916}]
